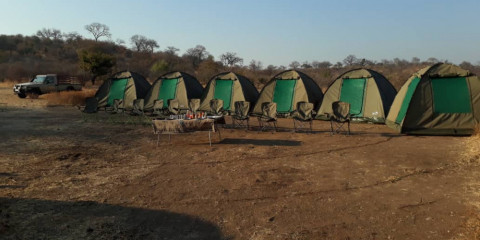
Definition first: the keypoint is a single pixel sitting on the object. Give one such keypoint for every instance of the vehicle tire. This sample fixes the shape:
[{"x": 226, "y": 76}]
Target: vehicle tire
[
  {"x": 22, "y": 95},
  {"x": 70, "y": 89},
  {"x": 34, "y": 93}
]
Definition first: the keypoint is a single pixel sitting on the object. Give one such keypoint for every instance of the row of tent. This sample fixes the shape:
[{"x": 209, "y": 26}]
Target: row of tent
[{"x": 442, "y": 99}]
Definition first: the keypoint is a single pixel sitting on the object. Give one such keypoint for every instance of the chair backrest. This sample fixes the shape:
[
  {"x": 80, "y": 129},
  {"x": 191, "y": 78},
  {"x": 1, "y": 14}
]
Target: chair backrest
[
  {"x": 138, "y": 105},
  {"x": 216, "y": 106},
  {"x": 304, "y": 111},
  {"x": 341, "y": 110},
  {"x": 242, "y": 108},
  {"x": 173, "y": 106},
  {"x": 194, "y": 104},
  {"x": 269, "y": 110},
  {"x": 91, "y": 105}
]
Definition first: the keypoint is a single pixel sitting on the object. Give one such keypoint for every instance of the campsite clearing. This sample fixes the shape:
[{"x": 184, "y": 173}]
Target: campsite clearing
[{"x": 64, "y": 178}]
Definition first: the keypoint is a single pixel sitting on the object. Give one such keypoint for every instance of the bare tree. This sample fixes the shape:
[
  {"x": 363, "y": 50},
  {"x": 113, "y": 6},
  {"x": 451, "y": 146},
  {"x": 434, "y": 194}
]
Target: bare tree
[
  {"x": 294, "y": 65},
  {"x": 230, "y": 59},
  {"x": 72, "y": 36},
  {"x": 306, "y": 64},
  {"x": 172, "y": 50},
  {"x": 415, "y": 60},
  {"x": 120, "y": 41},
  {"x": 197, "y": 54},
  {"x": 98, "y": 30},
  {"x": 351, "y": 60},
  {"x": 324, "y": 64},
  {"x": 143, "y": 44},
  {"x": 50, "y": 33},
  {"x": 255, "y": 65}
]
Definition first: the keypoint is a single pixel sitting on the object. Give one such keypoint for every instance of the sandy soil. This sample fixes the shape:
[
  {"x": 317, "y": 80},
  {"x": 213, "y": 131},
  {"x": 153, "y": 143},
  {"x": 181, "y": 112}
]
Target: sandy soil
[{"x": 67, "y": 176}]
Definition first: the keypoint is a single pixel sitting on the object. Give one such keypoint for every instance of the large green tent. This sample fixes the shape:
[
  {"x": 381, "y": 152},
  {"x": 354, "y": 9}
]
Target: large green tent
[
  {"x": 174, "y": 85},
  {"x": 443, "y": 99},
  {"x": 287, "y": 89},
  {"x": 369, "y": 93},
  {"x": 125, "y": 85},
  {"x": 229, "y": 87}
]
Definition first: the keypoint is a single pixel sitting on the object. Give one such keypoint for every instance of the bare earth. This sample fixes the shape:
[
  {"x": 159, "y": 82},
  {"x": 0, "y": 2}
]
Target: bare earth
[{"x": 64, "y": 178}]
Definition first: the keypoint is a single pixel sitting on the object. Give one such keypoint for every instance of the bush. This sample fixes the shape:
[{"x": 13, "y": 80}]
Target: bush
[{"x": 71, "y": 98}]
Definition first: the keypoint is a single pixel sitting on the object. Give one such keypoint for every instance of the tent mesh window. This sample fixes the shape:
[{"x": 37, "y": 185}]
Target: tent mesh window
[
  {"x": 223, "y": 90},
  {"x": 117, "y": 90},
  {"x": 283, "y": 95},
  {"x": 406, "y": 100},
  {"x": 353, "y": 90},
  {"x": 168, "y": 89},
  {"x": 451, "y": 95}
]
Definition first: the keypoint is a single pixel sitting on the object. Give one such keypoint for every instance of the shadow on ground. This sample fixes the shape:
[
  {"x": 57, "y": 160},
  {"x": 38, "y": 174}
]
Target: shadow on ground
[
  {"x": 43, "y": 219},
  {"x": 260, "y": 142}
]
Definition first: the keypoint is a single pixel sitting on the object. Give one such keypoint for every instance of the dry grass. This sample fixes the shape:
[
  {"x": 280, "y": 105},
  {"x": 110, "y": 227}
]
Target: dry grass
[
  {"x": 7, "y": 84},
  {"x": 72, "y": 98}
]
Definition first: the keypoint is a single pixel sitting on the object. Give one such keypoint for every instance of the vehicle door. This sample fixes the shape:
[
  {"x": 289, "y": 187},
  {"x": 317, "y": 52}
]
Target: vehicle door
[{"x": 49, "y": 85}]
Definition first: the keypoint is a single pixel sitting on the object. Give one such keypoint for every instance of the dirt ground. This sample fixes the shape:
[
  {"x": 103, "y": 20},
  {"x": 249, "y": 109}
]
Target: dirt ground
[{"x": 64, "y": 176}]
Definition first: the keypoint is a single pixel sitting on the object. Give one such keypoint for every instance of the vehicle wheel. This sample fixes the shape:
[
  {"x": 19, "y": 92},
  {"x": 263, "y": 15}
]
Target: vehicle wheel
[
  {"x": 22, "y": 95},
  {"x": 34, "y": 94},
  {"x": 70, "y": 89}
]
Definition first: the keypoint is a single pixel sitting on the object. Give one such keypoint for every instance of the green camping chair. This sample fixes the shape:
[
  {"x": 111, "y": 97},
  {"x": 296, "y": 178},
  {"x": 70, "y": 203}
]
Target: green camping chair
[
  {"x": 216, "y": 107},
  {"x": 268, "y": 119},
  {"x": 340, "y": 116},
  {"x": 194, "y": 105},
  {"x": 158, "y": 107},
  {"x": 302, "y": 116},
  {"x": 173, "y": 106},
  {"x": 138, "y": 107},
  {"x": 240, "y": 117}
]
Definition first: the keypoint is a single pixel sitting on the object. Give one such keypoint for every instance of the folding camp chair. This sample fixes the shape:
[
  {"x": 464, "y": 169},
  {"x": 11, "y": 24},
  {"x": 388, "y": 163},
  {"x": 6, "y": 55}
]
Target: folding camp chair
[
  {"x": 91, "y": 105},
  {"x": 157, "y": 107},
  {"x": 118, "y": 106},
  {"x": 216, "y": 107},
  {"x": 303, "y": 116},
  {"x": 340, "y": 116},
  {"x": 194, "y": 105},
  {"x": 138, "y": 107},
  {"x": 268, "y": 119},
  {"x": 173, "y": 106},
  {"x": 241, "y": 118}
]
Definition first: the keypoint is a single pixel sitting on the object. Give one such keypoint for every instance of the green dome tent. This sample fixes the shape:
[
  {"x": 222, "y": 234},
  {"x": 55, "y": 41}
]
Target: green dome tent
[
  {"x": 287, "y": 89},
  {"x": 443, "y": 99},
  {"x": 369, "y": 93},
  {"x": 229, "y": 87},
  {"x": 124, "y": 85},
  {"x": 174, "y": 85}
]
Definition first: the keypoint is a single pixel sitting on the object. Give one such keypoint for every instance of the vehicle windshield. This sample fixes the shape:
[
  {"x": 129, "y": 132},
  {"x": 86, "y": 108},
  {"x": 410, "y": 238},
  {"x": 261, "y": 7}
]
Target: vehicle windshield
[{"x": 39, "y": 79}]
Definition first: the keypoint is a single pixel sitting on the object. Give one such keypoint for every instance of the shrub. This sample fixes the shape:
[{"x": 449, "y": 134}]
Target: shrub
[{"x": 70, "y": 98}]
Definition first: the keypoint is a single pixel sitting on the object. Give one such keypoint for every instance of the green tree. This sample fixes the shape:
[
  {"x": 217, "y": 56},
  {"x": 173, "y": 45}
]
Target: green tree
[
  {"x": 159, "y": 67},
  {"x": 96, "y": 63}
]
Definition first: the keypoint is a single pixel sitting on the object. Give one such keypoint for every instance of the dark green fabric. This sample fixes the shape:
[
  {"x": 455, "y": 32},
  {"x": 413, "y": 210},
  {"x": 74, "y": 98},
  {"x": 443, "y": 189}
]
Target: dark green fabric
[
  {"x": 451, "y": 95},
  {"x": 168, "y": 90},
  {"x": 117, "y": 90},
  {"x": 353, "y": 90},
  {"x": 407, "y": 99},
  {"x": 283, "y": 95},
  {"x": 223, "y": 90}
]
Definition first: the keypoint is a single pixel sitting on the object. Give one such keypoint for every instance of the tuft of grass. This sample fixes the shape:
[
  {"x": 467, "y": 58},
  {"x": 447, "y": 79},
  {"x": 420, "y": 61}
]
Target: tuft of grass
[
  {"x": 70, "y": 98},
  {"x": 7, "y": 84}
]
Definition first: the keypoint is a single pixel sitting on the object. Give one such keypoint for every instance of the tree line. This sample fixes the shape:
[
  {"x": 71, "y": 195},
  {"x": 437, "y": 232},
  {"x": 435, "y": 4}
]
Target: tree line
[{"x": 50, "y": 50}]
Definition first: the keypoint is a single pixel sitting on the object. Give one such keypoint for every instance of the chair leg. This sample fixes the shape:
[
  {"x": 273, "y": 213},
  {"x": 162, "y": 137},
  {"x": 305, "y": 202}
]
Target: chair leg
[
  {"x": 331, "y": 127},
  {"x": 348, "y": 127}
]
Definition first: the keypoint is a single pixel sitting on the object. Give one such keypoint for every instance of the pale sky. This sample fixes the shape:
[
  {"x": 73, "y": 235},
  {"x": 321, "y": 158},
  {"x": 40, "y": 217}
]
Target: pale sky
[{"x": 272, "y": 31}]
